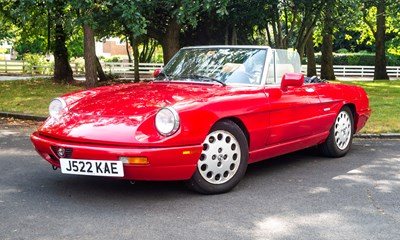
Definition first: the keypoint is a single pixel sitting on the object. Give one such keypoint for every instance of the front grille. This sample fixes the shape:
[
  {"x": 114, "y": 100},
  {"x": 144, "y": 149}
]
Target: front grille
[{"x": 68, "y": 152}]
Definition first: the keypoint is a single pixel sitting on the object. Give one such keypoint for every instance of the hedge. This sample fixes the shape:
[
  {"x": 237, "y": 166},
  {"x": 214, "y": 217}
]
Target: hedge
[{"x": 362, "y": 59}]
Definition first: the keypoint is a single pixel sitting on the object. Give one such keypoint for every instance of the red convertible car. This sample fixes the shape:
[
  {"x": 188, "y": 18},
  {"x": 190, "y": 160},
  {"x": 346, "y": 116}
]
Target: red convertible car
[{"x": 209, "y": 113}]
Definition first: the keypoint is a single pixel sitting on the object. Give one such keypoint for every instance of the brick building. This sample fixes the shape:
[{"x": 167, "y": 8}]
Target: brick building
[{"x": 112, "y": 47}]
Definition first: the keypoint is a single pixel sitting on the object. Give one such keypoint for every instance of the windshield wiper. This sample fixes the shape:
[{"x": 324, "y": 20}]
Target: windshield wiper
[
  {"x": 166, "y": 77},
  {"x": 198, "y": 76}
]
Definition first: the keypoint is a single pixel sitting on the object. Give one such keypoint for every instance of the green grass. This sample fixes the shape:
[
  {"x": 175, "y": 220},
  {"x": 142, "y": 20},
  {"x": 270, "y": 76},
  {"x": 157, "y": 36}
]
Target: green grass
[
  {"x": 33, "y": 97},
  {"x": 384, "y": 100}
]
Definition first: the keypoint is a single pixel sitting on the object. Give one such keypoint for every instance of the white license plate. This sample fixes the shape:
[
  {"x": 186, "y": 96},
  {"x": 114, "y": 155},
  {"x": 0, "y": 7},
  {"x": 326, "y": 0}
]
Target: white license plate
[{"x": 92, "y": 167}]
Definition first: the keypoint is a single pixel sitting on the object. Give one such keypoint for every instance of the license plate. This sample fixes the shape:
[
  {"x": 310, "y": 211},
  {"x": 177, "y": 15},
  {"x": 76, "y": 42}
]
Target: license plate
[{"x": 92, "y": 167}]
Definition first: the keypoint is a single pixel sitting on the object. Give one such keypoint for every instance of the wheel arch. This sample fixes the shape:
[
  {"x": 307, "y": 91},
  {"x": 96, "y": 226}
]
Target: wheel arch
[
  {"x": 240, "y": 124},
  {"x": 354, "y": 113}
]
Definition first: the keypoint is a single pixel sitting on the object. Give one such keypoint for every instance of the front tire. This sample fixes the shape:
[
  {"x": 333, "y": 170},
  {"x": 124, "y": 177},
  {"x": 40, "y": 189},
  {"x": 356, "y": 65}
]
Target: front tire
[
  {"x": 340, "y": 138},
  {"x": 223, "y": 161}
]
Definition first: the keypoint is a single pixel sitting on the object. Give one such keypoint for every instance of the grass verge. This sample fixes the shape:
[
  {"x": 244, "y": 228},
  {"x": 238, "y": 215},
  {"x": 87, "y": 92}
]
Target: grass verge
[
  {"x": 31, "y": 96},
  {"x": 384, "y": 100},
  {"x": 34, "y": 96}
]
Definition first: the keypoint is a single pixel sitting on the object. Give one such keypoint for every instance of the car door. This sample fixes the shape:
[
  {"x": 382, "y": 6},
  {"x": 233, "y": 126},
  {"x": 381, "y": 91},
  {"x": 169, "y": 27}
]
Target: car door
[{"x": 293, "y": 114}]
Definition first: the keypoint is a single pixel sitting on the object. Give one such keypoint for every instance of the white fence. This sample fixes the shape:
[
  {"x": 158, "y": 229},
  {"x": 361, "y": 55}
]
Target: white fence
[
  {"x": 17, "y": 66},
  {"x": 358, "y": 71},
  {"x": 119, "y": 68},
  {"x": 13, "y": 66},
  {"x": 127, "y": 69}
]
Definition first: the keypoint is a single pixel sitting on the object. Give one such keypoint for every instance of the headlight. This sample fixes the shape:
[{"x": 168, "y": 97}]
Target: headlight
[
  {"x": 56, "y": 105},
  {"x": 167, "y": 121}
]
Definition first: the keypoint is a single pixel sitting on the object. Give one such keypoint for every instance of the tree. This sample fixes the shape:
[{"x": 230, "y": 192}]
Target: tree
[
  {"x": 159, "y": 19},
  {"x": 327, "y": 50},
  {"x": 62, "y": 68},
  {"x": 380, "y": 35},
  {"x": 7, "y": 28},
  {"x": 90, "y": 56},
  {"x": 32, "y": 17},
  {"x": 311, "y": 62},
  {"x": 124, "y": 18},
  {"x": 166, "y": 19},
  {"x": 377, "y": 21},
  {"x": 89, "y": 14},
  {"x": 307, "y": 18},
  {"x": 378, "y": 30}
]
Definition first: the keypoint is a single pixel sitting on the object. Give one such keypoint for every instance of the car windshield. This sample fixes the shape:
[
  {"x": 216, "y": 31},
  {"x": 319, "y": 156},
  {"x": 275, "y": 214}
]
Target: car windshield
[{"x": 223, "y": 65}]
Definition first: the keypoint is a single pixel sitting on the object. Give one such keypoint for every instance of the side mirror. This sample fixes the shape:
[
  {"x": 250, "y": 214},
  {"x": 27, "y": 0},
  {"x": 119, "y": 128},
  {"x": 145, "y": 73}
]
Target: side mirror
[
  {"x": 292, "y": 79},
  {"x": 157, "y": 72}
]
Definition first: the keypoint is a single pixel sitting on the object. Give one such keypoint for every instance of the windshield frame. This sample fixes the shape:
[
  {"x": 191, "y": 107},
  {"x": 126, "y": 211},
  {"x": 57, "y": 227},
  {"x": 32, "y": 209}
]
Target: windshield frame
[{"x": 262, "y": 76}]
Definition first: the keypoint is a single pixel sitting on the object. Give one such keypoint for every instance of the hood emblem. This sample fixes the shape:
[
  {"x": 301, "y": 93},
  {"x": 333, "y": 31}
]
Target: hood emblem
[{"x": 61, "y": 152}]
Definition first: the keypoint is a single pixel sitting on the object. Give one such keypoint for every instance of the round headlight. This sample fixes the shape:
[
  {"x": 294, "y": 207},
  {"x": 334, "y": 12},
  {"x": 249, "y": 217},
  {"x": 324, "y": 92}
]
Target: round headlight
[
  {"x": 56, "y": 105},
  {"x": 167, "y": 121}
]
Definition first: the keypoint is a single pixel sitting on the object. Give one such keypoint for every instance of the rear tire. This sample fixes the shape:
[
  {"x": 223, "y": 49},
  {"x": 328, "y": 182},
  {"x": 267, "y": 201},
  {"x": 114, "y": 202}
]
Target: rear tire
[
  {"x": 223, "y": 161},
  {"x": 340, "y": 138}
]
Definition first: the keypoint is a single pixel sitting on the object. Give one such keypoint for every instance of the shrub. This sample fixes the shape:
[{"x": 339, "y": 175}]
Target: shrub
[
  {"x": 36, "y": 64},
  {"x": 360, "y": 58},
  {"x": 78, "y": 65},
  {"x": 393, "y": 60},
  {"x": 113, "y": 59}
]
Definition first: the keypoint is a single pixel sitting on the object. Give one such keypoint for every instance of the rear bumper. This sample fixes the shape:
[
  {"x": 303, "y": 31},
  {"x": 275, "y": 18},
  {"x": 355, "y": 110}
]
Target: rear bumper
[
  {"x": 362, "y": 118},
  {"x": 166, "y": 163}
]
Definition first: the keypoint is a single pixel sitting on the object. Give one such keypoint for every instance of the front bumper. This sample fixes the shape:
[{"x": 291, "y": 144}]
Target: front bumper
[{"x": 165, "y": 163}]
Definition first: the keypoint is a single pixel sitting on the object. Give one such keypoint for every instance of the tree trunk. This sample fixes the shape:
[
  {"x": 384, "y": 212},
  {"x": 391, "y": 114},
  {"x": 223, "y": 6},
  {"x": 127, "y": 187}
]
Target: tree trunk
[
  {"x": 90, "y": 56},
  {"x": 100, "y": 72},
  {"x": 276, "y": 25},
  {"x": 149, "y": 47},
  {"x": 380, "y": 55},
  {"x": 62, "y": 69},
  {"x": 305, "y": 33},
  {"x": 234, "y": 36},
  {"x": 311, "y": 63},
  {"x": 127, "y": 49},
  {"x": 327, "y": 43},
  {"x": 268, "y": 35},
  {"x": 135, "y": 47},
  {"x": 226, "y": 37},
  {"x": 170, "y": 43},
  {"x": 136, "y": 60}
]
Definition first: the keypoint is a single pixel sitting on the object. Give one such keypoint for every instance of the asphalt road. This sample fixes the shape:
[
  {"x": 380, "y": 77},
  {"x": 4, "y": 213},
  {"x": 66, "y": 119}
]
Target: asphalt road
[{"x": 297, "y": 196}]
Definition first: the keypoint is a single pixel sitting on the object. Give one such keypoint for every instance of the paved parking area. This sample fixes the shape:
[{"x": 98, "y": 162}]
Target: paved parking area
[{"x": 296, "y": 196}]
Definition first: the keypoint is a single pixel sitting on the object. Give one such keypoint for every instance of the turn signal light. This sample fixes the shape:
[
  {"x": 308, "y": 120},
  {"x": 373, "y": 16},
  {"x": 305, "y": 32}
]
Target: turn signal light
[
  {"x": 188, "y": 152},
  {"x": 135, "y": 160}
]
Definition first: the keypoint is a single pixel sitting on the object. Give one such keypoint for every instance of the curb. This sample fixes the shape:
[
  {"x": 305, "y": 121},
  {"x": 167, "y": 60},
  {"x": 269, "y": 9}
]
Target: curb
[
  {"x": 22, "y": 116},
  {"x": 359, "y": 136},
  {"x": 378, "y": 136}
]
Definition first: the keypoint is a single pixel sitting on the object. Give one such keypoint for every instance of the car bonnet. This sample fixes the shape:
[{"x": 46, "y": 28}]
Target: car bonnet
[{"x": 114, "y": 114}]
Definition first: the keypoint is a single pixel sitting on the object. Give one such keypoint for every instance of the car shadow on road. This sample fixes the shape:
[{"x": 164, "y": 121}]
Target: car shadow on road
[{"x": 297, "y": 165}]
